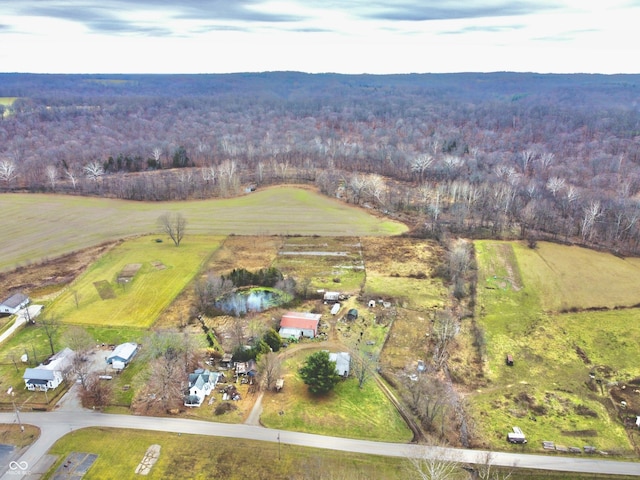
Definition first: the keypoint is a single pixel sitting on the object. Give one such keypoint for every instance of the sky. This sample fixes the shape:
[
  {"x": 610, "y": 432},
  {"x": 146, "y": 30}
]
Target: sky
[{"x": 318, "y": 36}]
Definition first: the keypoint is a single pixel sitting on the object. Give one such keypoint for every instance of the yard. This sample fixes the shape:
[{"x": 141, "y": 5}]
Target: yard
[{"x": 347, "y": 411}]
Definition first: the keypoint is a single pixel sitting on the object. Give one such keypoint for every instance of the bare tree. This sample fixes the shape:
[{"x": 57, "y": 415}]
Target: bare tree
[
  {"x": 50, "y": 326},
  {"x": 420, "y": 164},
  {"x": 427, "y": 399},
  {"x": 8, "y": 171},
  {"x": 81, "y": 368},
  {"x": 554, "y": 184},
  {"x": 173, "y": 224},
  {"x": 96, "y": 392},
  {"x": 445, "y": 329},
  {"x": 269, "y": 368},
  {"x": 72, "y": 176},
  {"x": 591, "y": 213},
  {"x": 52, "y": 175},
  {"x": 363, "y": 365},
  {"x": 435, "y": 463},
  {"x": 78, "y": 340},
  {"x": 485, "y": 470},
  {"x": 94, "y": 170}
]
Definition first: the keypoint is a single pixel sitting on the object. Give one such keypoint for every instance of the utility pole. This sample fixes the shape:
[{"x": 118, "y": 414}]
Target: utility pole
[{"x": 15, "y": 408}]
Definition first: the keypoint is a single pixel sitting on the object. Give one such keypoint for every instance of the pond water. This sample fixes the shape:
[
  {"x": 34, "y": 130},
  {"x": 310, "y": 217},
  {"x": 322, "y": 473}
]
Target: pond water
[{"x": 242, "y": 302}]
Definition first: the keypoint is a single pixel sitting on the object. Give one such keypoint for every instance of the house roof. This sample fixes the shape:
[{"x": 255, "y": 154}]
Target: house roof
[
  {"x": 343, "y": 360},
  {"x": 124, "y": 352},
  {"x": 38, "y": 374},
  {"x": 15, "y": 300},
  {"x": 301, "y": 320},
  {"x": 61, "y": 361}
]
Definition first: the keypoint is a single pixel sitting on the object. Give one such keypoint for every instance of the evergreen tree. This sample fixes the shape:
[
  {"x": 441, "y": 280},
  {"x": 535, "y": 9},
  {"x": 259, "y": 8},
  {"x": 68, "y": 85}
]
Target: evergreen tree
[{"x": 319, "y": 373}]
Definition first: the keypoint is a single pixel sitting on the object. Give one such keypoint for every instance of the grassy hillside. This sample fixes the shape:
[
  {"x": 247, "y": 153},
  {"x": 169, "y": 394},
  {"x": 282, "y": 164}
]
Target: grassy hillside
[
  {"x": 549, "y": 392},
  {"x": 40, "y": 226}
]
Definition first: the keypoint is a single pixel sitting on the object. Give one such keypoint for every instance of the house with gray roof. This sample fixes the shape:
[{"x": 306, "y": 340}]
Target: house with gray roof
[
  {"x": 14, "y": 303},
  {"x": 50, "y": 374},
  {"x": 201, "y": 384}
]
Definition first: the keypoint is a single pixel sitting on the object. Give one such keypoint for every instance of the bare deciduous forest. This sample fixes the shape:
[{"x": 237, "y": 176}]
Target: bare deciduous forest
[{"x": 509, "y": 155}]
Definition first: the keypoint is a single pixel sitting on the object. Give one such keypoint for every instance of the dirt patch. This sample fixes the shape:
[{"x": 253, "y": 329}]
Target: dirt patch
[
  {"x": 158, "y": 265},
  {"x": 105, "y": 290},
  {"x": 128, "y": 272},
  {"x": 41, "y": 279}
]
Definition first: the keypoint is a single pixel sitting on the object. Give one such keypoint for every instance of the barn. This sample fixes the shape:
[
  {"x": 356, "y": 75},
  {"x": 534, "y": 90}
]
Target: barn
[{"x": 299, "y": 324}]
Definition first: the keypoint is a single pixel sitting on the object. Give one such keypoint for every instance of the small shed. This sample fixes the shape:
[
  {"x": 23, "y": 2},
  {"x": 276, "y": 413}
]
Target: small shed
[
  {"x": 372, "y": 303},
  {"x": 509, "y": 360},
  {"x": 516, "y": 436},
  {"x": 14, "y": 303},
  {"x": 352, "y": 314},
  {"x": 331, "y": 297},
  {"x": 335, "y": 309}
]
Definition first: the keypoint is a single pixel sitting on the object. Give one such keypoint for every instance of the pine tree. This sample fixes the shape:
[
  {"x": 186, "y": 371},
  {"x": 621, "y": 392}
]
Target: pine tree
[{"x": 319, "y": 373}]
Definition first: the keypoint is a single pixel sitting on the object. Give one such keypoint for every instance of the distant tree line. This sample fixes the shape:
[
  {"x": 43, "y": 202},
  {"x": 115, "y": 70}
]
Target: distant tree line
[{"x": 497, "y": 155}]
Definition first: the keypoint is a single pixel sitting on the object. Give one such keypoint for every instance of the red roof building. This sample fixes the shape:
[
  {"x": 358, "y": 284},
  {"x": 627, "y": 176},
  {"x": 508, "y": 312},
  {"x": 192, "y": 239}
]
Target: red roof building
[{"x": 299, "y": 324}]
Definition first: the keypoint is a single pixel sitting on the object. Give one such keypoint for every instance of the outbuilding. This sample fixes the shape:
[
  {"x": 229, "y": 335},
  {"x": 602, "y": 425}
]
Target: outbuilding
[
  {"x": 343, "y": 362},
  {"x": 299, "y": 324},
  {"x": 122, "y": 355}
]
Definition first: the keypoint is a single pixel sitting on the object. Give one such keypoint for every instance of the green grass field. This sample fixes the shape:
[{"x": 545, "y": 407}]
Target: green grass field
[
  {"x": 545, "y": 393},
  {"x": 165, "y": 271},
  {"x": 346, "y": 411},
  {"x": 46, "y": 226},
  {"x": 200, "y": 457}
]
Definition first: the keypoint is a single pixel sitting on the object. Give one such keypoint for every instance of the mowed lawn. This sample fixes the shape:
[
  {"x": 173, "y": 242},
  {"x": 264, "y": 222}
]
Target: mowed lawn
[
  {"x": 346, "y": 411},
  {"x": 199, "y": 457},
  {"x": 37, "y": 226},
  {"x": 164, "y": 272},
  {"x": 545, "y": 393}
]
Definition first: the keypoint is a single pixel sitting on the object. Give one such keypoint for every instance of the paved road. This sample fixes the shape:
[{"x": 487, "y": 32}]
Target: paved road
[{"x": 56, "y": 424}]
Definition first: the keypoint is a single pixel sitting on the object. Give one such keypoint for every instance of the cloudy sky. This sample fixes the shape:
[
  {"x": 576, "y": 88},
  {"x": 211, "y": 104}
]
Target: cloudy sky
[{"x": 345, "y": 36}]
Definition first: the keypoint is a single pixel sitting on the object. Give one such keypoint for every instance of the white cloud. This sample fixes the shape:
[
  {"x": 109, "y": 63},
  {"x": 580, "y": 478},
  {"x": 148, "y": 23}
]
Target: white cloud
[{"x": 352, "y": 36}]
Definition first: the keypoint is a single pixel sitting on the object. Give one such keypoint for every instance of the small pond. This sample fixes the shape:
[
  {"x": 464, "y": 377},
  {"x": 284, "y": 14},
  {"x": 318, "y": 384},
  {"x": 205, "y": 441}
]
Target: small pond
[{"x": 241, "y": 302}]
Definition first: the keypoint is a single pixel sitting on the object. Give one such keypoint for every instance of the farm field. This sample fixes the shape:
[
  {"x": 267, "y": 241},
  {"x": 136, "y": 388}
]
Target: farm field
[
  {"x": 565, "y": 364},
  {"x": 32, "y": 223},
  {"x": 134, "y": 282}
]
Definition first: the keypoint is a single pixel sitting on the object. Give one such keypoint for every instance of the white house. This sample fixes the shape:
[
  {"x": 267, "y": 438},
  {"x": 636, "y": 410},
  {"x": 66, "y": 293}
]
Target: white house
[
  {"x": 201, "y": 384},
  {"x": 14, "y": 303},
  {"x": 122, "y": 355},
  {"x": 343, "y": 361},
  {"x": 50, "y": 374}
]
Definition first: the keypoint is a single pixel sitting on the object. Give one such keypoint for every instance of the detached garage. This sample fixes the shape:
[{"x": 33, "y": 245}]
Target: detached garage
[{"x": 122, "y": 355}]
